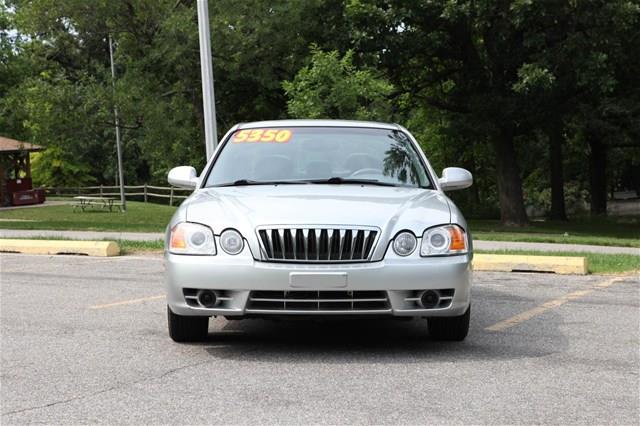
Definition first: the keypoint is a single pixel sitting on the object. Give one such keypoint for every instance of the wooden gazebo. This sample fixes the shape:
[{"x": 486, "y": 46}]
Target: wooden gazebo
[{"x": 16, "y": 187}]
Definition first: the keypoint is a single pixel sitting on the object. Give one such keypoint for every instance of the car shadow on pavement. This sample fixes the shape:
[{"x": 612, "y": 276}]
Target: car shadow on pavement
[{"x": 387, "y": 340}]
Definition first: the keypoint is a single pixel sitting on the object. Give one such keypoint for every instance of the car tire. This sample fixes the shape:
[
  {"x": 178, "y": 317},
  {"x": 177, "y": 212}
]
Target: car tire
[
  {"x": 187, "y": 328},
  {"x": 450, "y": 328}
]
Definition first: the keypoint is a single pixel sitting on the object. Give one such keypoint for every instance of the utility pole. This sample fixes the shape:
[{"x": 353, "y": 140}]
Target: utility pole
[
  {"x": 123, "y": 201},
  {"x": 206, "y": 68}
]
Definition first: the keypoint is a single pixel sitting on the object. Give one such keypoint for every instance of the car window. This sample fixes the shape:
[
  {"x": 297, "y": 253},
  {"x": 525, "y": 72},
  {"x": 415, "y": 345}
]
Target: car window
[{"x": 319, "y": 153}]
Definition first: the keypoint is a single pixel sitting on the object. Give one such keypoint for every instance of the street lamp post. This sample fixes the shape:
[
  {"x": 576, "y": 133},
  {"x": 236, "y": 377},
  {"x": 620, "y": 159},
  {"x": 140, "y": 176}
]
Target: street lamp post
[
  {"x": 206, "y": 68},
  {"x": 123, "y": 201}
]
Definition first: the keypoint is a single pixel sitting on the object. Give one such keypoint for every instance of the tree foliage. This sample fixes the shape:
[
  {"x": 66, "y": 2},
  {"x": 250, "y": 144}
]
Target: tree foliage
[
  {"x": 332, "y": 87},
  {"x": 504, "y": 71},
  {"x": 534, "y": 97},
  {"x": 55, "y": 168}
]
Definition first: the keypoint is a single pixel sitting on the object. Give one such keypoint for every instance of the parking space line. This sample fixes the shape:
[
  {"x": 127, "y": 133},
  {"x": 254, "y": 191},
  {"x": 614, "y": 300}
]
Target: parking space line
[
  {"x": 128, "y": 302},
  {"x": 538, "y": 310}
]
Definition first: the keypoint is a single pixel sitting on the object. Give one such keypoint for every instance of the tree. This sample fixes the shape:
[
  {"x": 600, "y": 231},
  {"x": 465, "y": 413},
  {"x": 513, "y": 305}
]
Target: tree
[
  {"x": 56, "y": 169},
  {"x": 332, "y": 87},
  {"x": 257, "y": 44},
  {"x": 508, "y": 69},
  {"x": 607, "y": 112},
  {"x": 584, "y": 48},
  {"x": 463, "y": 58},
  {"x": 515, "y": 90}
]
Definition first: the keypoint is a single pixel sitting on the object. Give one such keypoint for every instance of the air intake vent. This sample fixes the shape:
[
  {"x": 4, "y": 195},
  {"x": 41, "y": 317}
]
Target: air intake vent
[
  {"x": 317, "y": 301},
  {"x": 318, "y": 244}
]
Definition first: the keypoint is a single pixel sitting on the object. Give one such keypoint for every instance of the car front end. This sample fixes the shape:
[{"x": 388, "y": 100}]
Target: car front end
[{"x": 299, "y": 244}]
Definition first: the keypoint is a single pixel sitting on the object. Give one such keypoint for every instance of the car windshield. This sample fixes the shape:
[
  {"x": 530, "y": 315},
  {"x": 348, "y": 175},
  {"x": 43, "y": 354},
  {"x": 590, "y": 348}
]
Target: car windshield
[{"x": 334, "y": 155}]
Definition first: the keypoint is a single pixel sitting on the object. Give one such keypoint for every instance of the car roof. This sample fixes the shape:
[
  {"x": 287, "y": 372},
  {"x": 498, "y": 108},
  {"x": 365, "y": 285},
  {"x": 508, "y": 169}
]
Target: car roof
[{"x": 318, "y": 123}]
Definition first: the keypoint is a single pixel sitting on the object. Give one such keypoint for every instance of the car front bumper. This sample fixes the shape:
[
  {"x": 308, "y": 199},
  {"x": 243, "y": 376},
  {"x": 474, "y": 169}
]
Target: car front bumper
[{"x": 236, "y": 278}]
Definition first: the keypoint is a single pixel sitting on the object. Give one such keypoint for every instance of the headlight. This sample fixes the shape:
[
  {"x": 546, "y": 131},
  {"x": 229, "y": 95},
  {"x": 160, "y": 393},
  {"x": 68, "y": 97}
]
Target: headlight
[
  {"x": 231, "y": 241},
  {"x": 404, "y": 243},
  {"x": 192, "y": 238},
  {"x": 444, "y": 240}
]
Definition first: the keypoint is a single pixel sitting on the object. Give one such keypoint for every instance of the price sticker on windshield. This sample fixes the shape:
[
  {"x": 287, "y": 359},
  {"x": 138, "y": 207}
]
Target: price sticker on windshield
[{"x": 263, "y": 135}]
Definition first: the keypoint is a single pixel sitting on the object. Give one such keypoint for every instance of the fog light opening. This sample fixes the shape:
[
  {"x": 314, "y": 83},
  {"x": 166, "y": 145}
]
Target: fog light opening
[
  {"x": 207, "y": 298},
  {"x": 429, "y": 299}
]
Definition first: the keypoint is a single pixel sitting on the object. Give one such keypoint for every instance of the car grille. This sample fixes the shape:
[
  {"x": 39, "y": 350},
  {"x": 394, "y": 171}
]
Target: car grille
[
  {"x": 318, "y": 301},
  {"x": 318, "y": 244}
]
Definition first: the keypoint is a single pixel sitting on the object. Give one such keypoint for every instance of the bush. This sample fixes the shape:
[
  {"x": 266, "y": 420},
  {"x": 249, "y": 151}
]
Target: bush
[{"x": 53, "y": 167}]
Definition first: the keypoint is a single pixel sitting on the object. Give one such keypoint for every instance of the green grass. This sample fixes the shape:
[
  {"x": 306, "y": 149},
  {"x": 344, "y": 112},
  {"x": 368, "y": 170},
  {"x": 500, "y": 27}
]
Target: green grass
[
  {"x": 621, "y": 231},
  {"x": 130, "y": 247},
  {"x": 140, "y": 217},
  {"x": 597, "y": 263}
]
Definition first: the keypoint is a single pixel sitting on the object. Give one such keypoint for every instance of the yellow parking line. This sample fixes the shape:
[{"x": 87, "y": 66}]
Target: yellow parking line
[
  {"x": 128, "y": 302},
  {"x": 538, "y": 310}
]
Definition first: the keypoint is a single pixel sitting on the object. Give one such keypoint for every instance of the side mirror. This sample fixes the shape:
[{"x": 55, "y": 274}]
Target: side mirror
[
  {"x": 183, "y": 177},
  {"x": 454, "y": 178}
]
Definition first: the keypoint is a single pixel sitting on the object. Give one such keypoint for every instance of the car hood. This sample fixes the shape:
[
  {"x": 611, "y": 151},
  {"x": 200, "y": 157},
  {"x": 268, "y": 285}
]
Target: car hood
[{"x": 391, "y": 209}]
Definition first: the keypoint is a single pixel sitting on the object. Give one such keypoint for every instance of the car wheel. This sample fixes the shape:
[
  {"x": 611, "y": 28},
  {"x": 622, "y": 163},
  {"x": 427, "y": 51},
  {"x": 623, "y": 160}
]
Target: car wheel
[
  {"x": 187, "y": 328},
  {"x": 450, "y": 328}
]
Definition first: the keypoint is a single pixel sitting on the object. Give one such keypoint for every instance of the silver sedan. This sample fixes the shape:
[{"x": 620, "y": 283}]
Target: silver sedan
[{"x": 318, "y": 218}]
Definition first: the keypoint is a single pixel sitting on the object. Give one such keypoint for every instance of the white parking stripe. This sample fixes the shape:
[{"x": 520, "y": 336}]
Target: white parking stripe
[
  {"x": 128, "y": 302},
  {"x": 538, "y": 310}
]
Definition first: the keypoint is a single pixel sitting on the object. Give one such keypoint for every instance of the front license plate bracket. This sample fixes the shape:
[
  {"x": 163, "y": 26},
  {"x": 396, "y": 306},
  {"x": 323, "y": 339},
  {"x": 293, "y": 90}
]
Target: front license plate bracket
[{"x": 318, "y": 279}]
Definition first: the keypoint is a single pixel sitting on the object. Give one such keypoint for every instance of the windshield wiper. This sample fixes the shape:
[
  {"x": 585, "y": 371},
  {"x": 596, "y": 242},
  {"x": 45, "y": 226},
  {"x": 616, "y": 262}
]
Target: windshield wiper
[
  {"x": 249, "y": 182},
  {"x": 331, "y": 181},
  {"x": 336, "y": 180}
]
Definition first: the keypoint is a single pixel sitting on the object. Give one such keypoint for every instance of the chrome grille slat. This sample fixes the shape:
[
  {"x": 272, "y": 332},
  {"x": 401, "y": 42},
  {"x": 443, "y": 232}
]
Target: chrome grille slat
[
  {"x": 334, "y": 245},
  {"x": 365, "y": 238},
  {"x": 329, "y": 244},
  {"x": 354, "y": 238},
  {"x": 360, "y": 244},
  {"x": 368, "y": 242},
  {"x": 298, "y": 247},
  {"x": 324, "y": 245},
  {"x": 266, "y": 242},
  {"x": 317, "y": 244},
  {"x": 281, "y": 240},
  {"x": 305, "y": 235},
  {"x": 275, "y": 240}
]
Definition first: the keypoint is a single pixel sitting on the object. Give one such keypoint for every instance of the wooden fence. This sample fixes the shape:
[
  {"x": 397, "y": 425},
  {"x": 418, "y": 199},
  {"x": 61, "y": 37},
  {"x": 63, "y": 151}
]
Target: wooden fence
[{"x": 145, "y": 191}]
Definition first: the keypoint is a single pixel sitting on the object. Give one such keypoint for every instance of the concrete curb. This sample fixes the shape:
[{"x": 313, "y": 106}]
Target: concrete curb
[
  {"x": 511, "y": 263},
  {"x": 88, "y": 248},
  {"x": 519, "y": 245}
]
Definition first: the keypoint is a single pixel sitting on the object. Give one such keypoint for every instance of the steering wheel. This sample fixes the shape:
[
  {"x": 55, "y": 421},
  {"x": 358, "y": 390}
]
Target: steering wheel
[{"x": 366, "y": 171}]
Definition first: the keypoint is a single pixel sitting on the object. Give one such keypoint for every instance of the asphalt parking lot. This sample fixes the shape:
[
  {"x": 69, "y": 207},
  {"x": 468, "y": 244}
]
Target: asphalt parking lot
[{"x": 84, "y": 340}]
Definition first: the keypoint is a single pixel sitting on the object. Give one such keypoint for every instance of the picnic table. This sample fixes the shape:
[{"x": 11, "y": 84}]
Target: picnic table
[{"x": 86, "y": 202}]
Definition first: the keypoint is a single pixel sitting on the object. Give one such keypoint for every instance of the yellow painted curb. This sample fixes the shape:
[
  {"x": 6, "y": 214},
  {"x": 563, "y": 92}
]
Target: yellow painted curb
[
  {"x": 89, "y": 248},
  {"x": 516, "y": 262}
]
